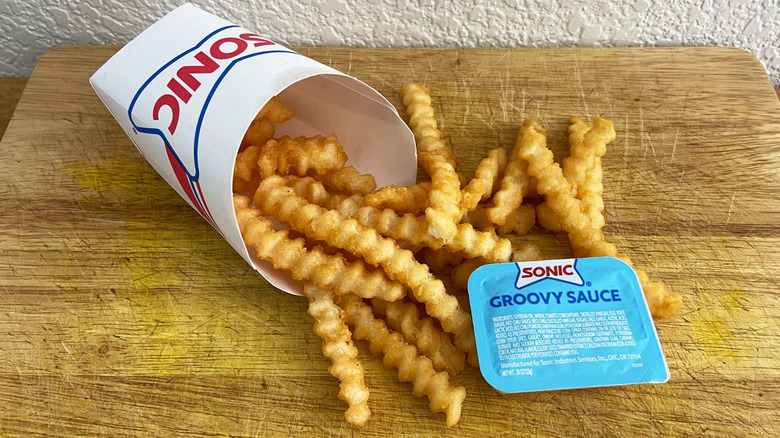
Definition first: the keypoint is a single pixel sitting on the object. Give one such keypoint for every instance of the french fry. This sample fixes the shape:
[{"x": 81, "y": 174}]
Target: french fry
[
  {"x": 436, "y": 159},
  {"x": 338, "y": 347},
  {"x": 585, "y": 147},
  {"x": 297, "y": 156},
  {"x": 586, "y": 240},
  {"x": 259, "y": 132},
  {"x": 547, "y": 218},
  {"x": 403, "y": 199},
  {"x": 590, "y": 193},
  {"x": 246, "y": 174},
  {"x": 519, "y": 221},
  {"x": 403, "y": 317},
  {"x": 583, "y": 167},
  {"x": 325, "y": 271},
  {"x": 413, "y": 368},
  {"x": 275, "y": 111},
  {"x": 514, "y": 184},
  {"x": 522, "y": 220},
  {"x": 278, "y": 200},
  {"x": 308, "y": 188},
  {"x": 486, "y": 180},
  {"x": 347, "y": 179},
  {"x": 414, "y": 230},
  {"x": 417, "y": 101},
  {"x": 526, "y": 252},
  {"x": 443, "y": 213},
  {"x": 437, "y": 259},
  {"x": 578, "y": 168},
  {"x": 461, "y": 273}
]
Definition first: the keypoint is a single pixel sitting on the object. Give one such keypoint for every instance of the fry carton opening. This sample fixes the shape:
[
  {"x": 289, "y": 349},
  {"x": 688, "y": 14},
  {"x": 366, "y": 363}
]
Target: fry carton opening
[{"x": 187, "y": 88}]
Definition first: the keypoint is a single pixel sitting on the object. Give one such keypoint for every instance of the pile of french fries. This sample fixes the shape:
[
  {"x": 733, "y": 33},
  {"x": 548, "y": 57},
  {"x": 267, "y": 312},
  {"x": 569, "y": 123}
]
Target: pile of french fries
[{"x": 369, "y": 259}]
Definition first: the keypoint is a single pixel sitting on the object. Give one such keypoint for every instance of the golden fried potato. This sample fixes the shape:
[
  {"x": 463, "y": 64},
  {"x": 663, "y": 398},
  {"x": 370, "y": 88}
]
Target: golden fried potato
[
  {"x": 586, "y": 240},
  {"x": 403, "y": 317},
  {"x": 276, "y": 199},
  {"x": 338, "y": 347},
  {"x": 275, "y": 111},
  {"x": 347, "y": 179},
  {"x": 297, "y": 156},
  {"x": 485, "y": 182},
  {"x": 403, "y": 199},
  {"x": 514, "y": 184},
  {"x": 411, "y": 366},
  {"x": 325, "y": 271}
]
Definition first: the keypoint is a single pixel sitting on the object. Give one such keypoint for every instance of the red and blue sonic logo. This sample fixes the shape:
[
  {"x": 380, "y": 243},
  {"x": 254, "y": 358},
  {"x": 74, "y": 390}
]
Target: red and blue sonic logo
[
  {"x": 185, "y": 86},
  {"x": 561, "y": 270}
]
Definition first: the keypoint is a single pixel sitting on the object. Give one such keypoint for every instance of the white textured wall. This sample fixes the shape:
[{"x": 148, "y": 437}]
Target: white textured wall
[{"x": 29, "y": 27}]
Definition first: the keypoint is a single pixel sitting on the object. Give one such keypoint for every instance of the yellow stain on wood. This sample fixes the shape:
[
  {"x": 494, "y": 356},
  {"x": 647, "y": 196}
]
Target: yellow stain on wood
[
  {"x": 121, "y": 174},
  {"x": 154, "y": 259},
  {"x": 170, "y": 330},
  {"x": 712, "y": 327},
  {"x": 733, "y": 301}
]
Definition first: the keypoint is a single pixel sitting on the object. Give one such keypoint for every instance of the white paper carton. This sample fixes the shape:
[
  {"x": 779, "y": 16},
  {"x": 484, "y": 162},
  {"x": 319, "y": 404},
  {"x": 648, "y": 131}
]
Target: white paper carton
[{"x": 187, "y": 88}]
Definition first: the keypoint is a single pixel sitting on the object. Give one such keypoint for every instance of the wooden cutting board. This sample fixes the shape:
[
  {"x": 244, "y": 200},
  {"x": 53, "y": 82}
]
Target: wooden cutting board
[{"x": 122, "y": 312}]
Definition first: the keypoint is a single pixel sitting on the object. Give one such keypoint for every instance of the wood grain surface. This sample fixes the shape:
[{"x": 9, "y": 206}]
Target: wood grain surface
[
  {"x": 123, "y": 313},
  {"x": 10, "y": 92}
]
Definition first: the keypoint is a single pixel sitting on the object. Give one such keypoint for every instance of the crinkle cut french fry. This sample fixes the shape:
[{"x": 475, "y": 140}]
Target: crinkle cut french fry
[
  {"x": 443, "y": 213},
  {"x": 259, "y": 132},
  {"x": 325, "y": 271},
  {"x": 461, "y": 273},
  {"x": 246, "y": 163},
  {"x": 591, "y": 194},
  {"x": 434, "y": 157},
  {"x": 414, "y": 230},
  {"x": 299, "y": 155},
  {"x": 547, "y": 218},
  {"x": 514, "y": 184},
  {"x": 275, "y": 111},
  {"x": 311, "y": 244},
  {"x": 262, "y": 127},
  {"x": 526, "y": 252},
  {"x": 403, "y": 199},
  {"x": 246, "y": 187},
  {"x": 347, "y": 179},
  {"x": 577, "y": 159},
  {"x": 519, "y": 221},
  {"x": 583, "y": 153},
  {"x": 486, "y": 180},
  {"x": 523, "y": 219},
  {"x": 335, "y": 229},
  {"x": 246, "y": 174},
  {"x": 337, "y": 346},
  {"x": 413, "y": 368},
  {"x": 402, "y": 228},
  {"x": 583, "y": 167},
  {"x": 404, "y": 317},
  {"x": 437, "y": 259},
  {"x": 586, "y": 240},
  {"x": 417, "y": 101},
  {"x": 308, "y": 188}
]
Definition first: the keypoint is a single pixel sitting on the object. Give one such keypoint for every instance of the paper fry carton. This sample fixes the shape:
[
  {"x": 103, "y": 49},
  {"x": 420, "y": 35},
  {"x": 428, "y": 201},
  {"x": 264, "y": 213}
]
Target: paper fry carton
[{"x": 187, "y": 88}]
